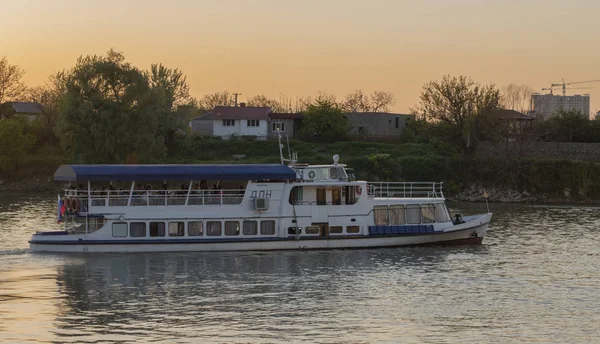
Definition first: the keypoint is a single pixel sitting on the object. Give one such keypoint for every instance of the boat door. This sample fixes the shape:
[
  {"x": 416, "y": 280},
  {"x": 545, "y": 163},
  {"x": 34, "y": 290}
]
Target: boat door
[
  {"x": 319, "y": 211},
  {"x": 323, "y": 228}
]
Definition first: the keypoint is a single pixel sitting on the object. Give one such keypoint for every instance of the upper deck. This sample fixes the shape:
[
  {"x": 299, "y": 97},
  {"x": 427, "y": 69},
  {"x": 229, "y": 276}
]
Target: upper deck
[{"x": 225, "y": 185}]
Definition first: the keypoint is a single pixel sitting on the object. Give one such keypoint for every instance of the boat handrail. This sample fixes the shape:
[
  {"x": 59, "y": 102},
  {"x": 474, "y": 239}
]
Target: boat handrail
[
  {"x": 135, "y": 197},
  {"x": 405, "y": 189}
]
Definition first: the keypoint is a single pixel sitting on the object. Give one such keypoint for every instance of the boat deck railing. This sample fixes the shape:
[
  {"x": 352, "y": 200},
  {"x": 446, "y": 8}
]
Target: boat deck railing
[
  {"x": 405, "y": 189},
  {"x": 120, "y": 198}
]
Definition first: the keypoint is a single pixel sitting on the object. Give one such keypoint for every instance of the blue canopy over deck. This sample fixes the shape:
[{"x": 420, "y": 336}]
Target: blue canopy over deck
[{"x": 173, "y": 172}]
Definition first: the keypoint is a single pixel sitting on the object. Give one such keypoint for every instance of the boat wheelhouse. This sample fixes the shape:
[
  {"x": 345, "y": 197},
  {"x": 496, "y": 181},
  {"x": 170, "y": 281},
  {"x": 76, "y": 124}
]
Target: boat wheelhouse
[{"x": 147, "y": 208}]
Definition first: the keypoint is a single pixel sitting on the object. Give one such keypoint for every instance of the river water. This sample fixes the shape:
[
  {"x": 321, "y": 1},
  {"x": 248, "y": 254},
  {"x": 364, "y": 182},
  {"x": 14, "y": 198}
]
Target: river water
[{"x": 536, "y": 278}]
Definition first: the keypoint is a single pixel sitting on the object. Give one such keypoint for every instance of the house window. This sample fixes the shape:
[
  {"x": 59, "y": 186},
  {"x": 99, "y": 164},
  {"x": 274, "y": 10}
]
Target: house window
[
  {"x": 397, "y": 122},
  {"x": 137, "y": 229},
  {"x": 176, "y": 229},
  {"x": 228, "y": 122},
  {"x": 278, "y": 126},
  {"x": 252, "y": 123}
]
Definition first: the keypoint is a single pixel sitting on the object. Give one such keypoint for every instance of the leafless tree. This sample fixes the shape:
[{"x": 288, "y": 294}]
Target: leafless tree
[
  {"x": 11, "y": 86},
  {"x": 378, "y": 101},
  {"x": 516, "y": 97},
  {"x": 209, "y": 101}
]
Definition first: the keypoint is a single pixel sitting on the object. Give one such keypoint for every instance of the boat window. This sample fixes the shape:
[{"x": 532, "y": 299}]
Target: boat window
[
  {"x": 350, "y": 195},
  {"x": 232, "y": 228},
  {"x": 312, "y": 229},
  {"x": 119, "y": 229},
  {"x": 95, "y": 224},
  {"x": 380, "y": 213},
  {"x": 325, "y": 173},
  {"x": 321, "y": 196},
  {"x": 441, "y": 214},
  {"x": 397, "y": 214},
  {"x": 176, "y": 229},
  {"x": 250, "y": 227},
  {"x": 213, "y": 228},
  {"x": 195, "y": 228},
  {"x": 157, "y": 229},
  {"x": 292, "y": 231},
  {"x": 296, "y": 195},
  {"x": 336, "y": 196},
  {"x": 137, "y": 229},
  {"x": 333, "y": 172},
  {"x": 336, "y": 229},
  {"x": 267, "y": 227},
  {"x": 428, "y": 212},
  {"x": 352, "y": 229},
  {"x": 413, "y": 213}
]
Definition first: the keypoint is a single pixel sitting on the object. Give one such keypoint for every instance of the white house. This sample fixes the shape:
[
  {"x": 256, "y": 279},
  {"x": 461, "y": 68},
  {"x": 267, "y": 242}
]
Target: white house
[{"x": 226, "y": 121}]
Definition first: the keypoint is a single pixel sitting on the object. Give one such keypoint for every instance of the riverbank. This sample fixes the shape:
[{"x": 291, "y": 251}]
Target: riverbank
[
  {"x": 478, "y": 193},
  {"x": 465, "y": 177}
]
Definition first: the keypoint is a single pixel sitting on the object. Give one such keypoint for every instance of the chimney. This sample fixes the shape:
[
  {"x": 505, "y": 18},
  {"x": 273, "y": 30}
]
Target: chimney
[{"x": 242, "y": 104}]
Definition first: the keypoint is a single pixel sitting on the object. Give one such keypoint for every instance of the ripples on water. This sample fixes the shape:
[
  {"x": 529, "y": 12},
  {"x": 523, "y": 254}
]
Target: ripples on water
[{"x": 535, "y": 279}]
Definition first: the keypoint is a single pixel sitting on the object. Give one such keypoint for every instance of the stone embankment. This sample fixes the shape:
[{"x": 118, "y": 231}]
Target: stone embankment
[{"x": 476, "y": 193}]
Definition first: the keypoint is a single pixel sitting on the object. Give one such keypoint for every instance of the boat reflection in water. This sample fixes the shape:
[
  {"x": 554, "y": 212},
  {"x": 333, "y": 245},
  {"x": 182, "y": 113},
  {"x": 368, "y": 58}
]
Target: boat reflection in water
[{"x": 240, "y": 296}]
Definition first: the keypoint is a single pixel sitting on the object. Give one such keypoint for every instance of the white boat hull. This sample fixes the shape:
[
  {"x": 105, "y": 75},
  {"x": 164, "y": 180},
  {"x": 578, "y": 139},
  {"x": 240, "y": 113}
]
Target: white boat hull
[{"x": 471, "y": 232}]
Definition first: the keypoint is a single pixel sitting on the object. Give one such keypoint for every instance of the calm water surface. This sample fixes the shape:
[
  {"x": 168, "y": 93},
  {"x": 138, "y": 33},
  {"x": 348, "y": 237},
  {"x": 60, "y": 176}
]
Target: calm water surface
[{"x": 536, "y": 278}]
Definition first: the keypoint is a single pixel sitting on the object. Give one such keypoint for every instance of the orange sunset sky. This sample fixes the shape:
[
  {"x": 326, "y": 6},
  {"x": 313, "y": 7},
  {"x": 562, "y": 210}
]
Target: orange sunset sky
[{"x": 295, "y": 48}]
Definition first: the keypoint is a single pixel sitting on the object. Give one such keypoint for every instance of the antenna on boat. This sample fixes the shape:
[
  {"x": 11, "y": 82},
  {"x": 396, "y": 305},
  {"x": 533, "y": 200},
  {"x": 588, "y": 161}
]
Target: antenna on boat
[{"x": 291, "y": 158}]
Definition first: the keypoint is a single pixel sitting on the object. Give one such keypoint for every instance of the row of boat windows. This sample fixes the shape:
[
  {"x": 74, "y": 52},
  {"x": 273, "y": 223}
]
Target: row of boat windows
[
  {"x": 339, "y": 195},
  {"x": 194, "y": 228},
  {"x": 410, "y": 214},
  {"x": 330, "y": 230}
]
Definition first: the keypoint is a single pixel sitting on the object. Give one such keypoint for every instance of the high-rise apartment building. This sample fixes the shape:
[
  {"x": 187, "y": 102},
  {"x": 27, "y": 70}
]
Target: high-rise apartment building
[{"x": 545, "y": 105}]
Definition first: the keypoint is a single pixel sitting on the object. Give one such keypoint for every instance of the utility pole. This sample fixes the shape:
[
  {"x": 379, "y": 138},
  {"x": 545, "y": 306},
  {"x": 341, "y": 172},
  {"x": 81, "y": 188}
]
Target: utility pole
[{"x": 236, "y": 95}]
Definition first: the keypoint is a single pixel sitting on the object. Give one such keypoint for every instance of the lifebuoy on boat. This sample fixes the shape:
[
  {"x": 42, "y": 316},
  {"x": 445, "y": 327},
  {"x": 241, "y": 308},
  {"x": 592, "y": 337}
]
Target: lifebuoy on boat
[
  {"x": 75, "y": 204},
  {"x": 68, "y": 203},
  {"x": 358, "y": 190}
]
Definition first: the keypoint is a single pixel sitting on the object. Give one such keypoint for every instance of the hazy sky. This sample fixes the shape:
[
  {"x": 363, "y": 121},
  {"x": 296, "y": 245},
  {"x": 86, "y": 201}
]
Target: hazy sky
[{"x": 295, "y": 48}]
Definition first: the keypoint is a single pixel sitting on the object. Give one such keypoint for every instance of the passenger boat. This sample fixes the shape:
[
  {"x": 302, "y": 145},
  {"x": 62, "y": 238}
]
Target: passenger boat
[{"x": 151, "y": 208}]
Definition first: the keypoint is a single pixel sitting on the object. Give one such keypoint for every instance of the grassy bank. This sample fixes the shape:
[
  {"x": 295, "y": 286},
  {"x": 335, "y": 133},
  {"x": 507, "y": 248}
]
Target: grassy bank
[{"x": 576, "y": 180}]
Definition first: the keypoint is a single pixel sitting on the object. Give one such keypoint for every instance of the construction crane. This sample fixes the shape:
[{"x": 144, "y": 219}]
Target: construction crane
[
  {"x": 564, "y": 84},
  {"x": 551, "y": 89}
]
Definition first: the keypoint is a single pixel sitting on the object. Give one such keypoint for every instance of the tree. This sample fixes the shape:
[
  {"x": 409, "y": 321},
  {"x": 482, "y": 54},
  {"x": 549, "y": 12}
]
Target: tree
[
  {"x": 170, "y": 90},
  {"x": 516, "y": 97},
  {"x": 50, "y": 96},
  {"x": 457, "y": 101},
  {"x": 209, "y": 101},
  {"x": 109, "y": 112},
  {"x": 324, "y": 121},
  {"x": 378, "y": 101},
  {"x": 14, "y": 143},
  {"x": 260, "y": 100},
  {"x": 568, "y": 124},
  {"x": 11, "y": 86}
]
